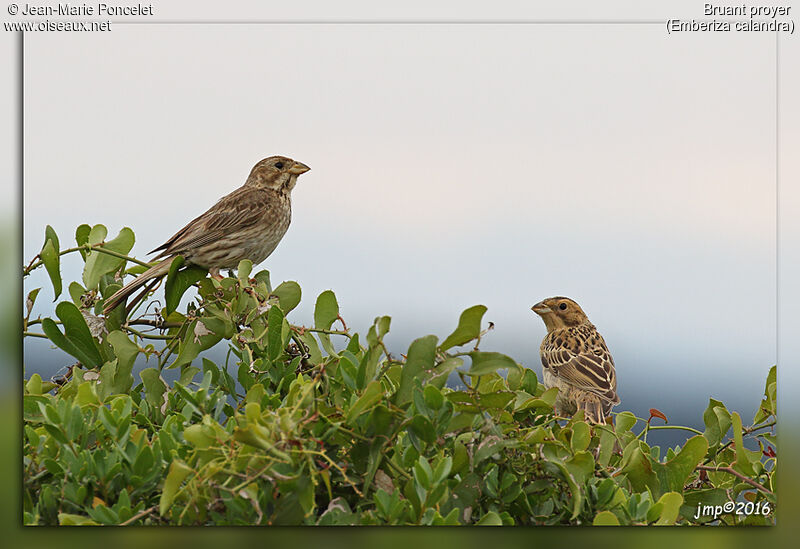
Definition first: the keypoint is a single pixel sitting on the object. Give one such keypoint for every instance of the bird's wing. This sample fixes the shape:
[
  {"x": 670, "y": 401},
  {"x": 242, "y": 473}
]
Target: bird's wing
[
  {"x": 590, "y": 368},
  {"x": 242, "y": 208}
]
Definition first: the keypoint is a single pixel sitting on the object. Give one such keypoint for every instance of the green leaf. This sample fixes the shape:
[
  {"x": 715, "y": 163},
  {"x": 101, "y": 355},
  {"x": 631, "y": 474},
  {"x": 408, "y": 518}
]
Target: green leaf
[
  {"x": 421, "y": 355},
  {"x": 497, "y": 399},
  {"x": 580, "y": 436},
  {"x": 199, "y": 436},
  {"x": 433, "y": 397},
  {"x": 310, "y": 342},
  {"x": 50, "y": 234},
  {"x": 179, "y": 280},
  {"x": 665, "y": 509},
  {"x": 372, "y": 395},
  {"x": 605, "y": 518},
  {"x": 767, "y": 407},
  {"x": 178, "y": 471},
  {"x": 742, "y": 464},
  {"x": 717, "y": 420},
  {"x": 438, "y": 376},
  {"x": 488, "y": 447},
  {"x": 660, "y": 478},
  {"x": 288, "y": 294},
  {"x": 674, "y": 473},
  {"x": 490, "y": 519},
  {"x": 580, "y": 466},
  {"x": 154, "y": 387},
  {"x": 52, "y": 260},
  {"x": 469, "y": 328},
  {"x": 243, "y": 271},
  {"x": 544, "y": 401},
  {"x": 422, "y": 428},
  {"x": 488, "y": 362},
  {"x": 442, "y": 470},
  {"x": 76, "y": 291},
  {"x": 199, "y": 336},
  {"x": 638, "y": 468},
  {"x": 76, "y": 339},
  {"x": 126, "y": 352},
  {"x": 623, "y": 422},
  {"x": 575, "y": 491},
  {"x": 82, "y": 237},
  {"x": 423, "y": 473},
  {"x": 69, "y": 519},
  {"x": 98, "y": 263},
  {"x": 34, "y": 385},
  {"x": 326, "y": 311},
  {"x": 274, "y": 332},
  {"x": 30, "y": 301}
]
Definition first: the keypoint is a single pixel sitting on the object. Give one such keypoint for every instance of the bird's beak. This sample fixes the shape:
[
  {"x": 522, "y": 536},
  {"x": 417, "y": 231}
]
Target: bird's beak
[
  {"x": 541, "y": 309},
  {"x": 298, "y": 168}
]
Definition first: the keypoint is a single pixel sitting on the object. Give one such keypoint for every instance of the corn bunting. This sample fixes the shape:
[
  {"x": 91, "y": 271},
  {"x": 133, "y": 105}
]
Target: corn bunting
[
  {"x": 246, "y": 224},
  {"x": 576, "y": 360}
]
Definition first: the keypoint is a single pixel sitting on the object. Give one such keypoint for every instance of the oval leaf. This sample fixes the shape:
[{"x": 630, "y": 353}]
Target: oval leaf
[
  {"x": 469, "y": 328},
  {"x": 488, "y": 362}
]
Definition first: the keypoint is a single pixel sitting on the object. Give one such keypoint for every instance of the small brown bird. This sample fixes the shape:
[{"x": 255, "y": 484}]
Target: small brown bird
[
  {"x": 246, "y": 224},
  {"x": 576, "y": 360}
]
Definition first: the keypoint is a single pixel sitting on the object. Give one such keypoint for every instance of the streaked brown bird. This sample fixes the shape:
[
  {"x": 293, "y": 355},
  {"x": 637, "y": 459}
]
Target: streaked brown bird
[
  {"x": 246, "y": 224},
  {"x": 576, "y": 360}
]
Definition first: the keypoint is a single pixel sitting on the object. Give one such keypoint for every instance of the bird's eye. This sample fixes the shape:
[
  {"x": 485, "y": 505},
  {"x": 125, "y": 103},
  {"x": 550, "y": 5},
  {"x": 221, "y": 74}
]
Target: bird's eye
[
  {"x": 279, "y": 165},
  {"x": 563, "y": 306}
]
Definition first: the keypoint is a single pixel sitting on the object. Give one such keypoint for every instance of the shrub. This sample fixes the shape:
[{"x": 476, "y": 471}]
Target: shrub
[{"x": 321, "y": 425}]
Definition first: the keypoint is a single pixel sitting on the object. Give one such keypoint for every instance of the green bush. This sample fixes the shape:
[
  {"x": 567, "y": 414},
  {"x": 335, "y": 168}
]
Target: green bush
[{"x": 321, "y": 425}]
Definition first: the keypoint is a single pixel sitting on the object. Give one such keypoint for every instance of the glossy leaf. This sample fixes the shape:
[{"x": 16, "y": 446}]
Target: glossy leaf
[
  {"x": 179, "y": 280},
  {"x": 288, "y": 294},
  {"x": 98, "y": 263},
  {"x": 52, "y": 260},
  {"x": 76, "y": 339},
  {"x": 489, "y": 362},
  {"x": 421, "y": 354},
  {"x": 469, "y": 328}
]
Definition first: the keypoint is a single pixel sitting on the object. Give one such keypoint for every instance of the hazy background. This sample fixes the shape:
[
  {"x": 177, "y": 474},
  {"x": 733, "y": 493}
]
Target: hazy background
[
  {"x": 631, "y": 170},
  {"x": 451, "y": 165}
]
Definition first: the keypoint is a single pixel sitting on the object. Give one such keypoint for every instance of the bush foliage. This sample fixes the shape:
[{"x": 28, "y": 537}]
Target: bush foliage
[{"x": 321, "y": 425}]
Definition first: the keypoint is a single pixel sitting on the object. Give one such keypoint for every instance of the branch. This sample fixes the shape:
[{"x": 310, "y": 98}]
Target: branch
[
  {"x": 137, "y": 516},
  {"x": 147, "y": 336},
  {"x": 737, "y": 474},
  {"x": 695, "y": 431},
  {"x": 745, "y": 431},
  {"x": 154, "y": 323},
  {"x": 330, "y": 332},
  {"x": 97, "y": 247}
]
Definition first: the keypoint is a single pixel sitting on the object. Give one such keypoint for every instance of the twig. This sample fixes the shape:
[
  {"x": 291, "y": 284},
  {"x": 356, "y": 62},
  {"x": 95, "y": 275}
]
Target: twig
[
  {"x": 154, "y": 323},
  {"x": 147, "y": 336},
  {"x": 137, "y": 516},
  {"x": 680, "y": 427},
  {"x": 738, "y": 475},
  {"x": 748, "y": 430},
  {"x": 33, "y": 334},
  {"x": 97, "y": 247},
  {"x": 745, "y": 431},
  {"x": 330, "y": 332}
]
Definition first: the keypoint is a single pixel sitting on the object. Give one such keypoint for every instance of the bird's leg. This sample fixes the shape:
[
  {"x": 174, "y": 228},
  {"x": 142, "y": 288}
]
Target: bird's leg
[{"x": 214, "y": 272}]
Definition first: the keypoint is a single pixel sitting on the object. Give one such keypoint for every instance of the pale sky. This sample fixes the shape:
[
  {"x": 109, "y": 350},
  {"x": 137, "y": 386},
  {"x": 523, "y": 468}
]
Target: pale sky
[{"x": 451, "y": 165}]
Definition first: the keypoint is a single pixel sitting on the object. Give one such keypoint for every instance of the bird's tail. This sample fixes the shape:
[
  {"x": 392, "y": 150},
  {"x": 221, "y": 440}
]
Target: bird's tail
[
  {"x": 154, "y": 272},
  {"x": 593, "y": 409}
]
